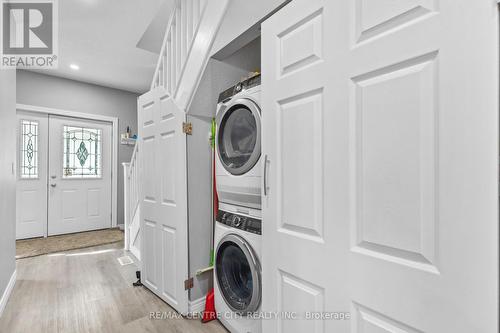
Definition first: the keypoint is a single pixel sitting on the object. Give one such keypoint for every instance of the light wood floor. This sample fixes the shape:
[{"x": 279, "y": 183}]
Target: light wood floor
[{"x": 87, "y": 291}]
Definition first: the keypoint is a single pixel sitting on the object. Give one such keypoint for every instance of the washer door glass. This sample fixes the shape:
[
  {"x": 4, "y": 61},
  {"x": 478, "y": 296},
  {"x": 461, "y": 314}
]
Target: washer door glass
[
  {"x": 239, "y": 138},
  {"x": 238, "y": 276}
]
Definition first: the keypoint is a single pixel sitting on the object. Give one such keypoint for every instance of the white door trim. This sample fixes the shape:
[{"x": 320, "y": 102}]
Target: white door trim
[{"x": 115, "y": 145}]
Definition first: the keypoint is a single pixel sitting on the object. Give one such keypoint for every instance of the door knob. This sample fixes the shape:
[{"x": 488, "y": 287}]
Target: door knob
[{"x": 53, "y": 185}]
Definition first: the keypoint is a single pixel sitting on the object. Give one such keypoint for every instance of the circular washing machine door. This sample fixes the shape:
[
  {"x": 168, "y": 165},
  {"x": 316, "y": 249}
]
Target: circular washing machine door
[
  {"x": 237, "y": 272},
  {"x": 238, "y": 139}
]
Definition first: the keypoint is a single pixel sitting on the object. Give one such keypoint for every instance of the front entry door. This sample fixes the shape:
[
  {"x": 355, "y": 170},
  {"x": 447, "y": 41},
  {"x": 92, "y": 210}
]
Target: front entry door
[
  {"x": 381, "y": 135},
  {"x": 79, "y": 178},
  {"x": 32, "y": 175}
]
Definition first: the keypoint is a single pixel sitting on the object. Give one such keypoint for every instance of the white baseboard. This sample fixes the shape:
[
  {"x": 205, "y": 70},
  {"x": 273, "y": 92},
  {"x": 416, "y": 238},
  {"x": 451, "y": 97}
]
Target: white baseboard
[
  {"x": 135, "y": 251},
  {"x": 197, "y": 306},
  {"x": 7, "y": 292}
]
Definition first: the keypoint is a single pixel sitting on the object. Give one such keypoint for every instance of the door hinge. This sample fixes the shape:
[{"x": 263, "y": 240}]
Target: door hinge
[
  {"x": 188, "y": 284},
  {"x": 187, "y": 128}
]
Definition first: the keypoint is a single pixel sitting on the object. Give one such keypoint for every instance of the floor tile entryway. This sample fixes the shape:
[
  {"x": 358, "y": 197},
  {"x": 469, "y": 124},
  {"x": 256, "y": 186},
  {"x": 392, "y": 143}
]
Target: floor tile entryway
[{"x": 26, "y": 248}]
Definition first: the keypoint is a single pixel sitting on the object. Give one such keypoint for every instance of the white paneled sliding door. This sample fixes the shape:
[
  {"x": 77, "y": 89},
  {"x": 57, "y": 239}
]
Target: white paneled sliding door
[
  {"x": 380, "y": 126},
  {"x": 64, "y": 175}
]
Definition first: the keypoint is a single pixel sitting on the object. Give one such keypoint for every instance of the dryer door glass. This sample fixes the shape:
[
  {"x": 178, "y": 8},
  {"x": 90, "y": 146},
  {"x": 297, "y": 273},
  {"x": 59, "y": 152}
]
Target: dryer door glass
[
  {"x": 238, "y": 139},
  {"x": 238, "y": 277}
]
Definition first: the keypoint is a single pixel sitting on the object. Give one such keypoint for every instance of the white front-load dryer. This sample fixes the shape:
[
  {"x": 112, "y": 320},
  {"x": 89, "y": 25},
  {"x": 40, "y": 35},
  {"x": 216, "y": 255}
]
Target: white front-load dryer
[
  {"x": 238, "y": 145},
  {"x": 237, "y": 273}
]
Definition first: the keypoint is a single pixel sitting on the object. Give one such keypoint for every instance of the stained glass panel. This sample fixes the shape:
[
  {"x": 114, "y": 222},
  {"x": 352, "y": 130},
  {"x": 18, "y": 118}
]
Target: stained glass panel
[
  {"x": 82, "y": 152},
  {"x": 29, "y": 149}
]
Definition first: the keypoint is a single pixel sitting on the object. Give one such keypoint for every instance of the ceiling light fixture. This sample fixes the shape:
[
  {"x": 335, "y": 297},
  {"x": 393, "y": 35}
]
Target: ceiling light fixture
[{"x": 74, "y": 67}]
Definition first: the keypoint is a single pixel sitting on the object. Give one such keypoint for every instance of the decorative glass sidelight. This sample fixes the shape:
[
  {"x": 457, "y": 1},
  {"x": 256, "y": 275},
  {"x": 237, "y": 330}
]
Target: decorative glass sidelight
[
  {"x": 29, "y": 149},
  {"x": 82, "y": 156}
]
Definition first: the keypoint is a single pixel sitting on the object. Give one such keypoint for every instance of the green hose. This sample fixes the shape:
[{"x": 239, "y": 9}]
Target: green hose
[{"x": 212, "y": 138}]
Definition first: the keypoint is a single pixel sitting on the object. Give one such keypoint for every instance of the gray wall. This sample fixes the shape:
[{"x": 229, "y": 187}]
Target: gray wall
[
  {"x": 217, "y": 77},
  {"x": 242, "y": 24},
  {"x": 53, "y": 92},
  {"x": 242, "y": 15},
  {"x": 247, "y": 58},
  {"x": 7, "y": 178}
]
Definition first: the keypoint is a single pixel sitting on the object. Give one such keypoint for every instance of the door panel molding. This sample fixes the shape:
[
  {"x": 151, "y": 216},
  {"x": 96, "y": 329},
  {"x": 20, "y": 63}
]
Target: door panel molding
[
  {"x": 380, "y": 125},
  {"x": 163, "y": 198}
]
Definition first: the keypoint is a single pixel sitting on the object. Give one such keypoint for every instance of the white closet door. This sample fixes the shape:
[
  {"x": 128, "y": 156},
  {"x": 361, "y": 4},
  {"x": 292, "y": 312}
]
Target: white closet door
[
  {"x": 80, "y": 162},
  {"x": 31, "y": 217},
  {"x": 380, "y": 123},
  {"x": 164, "y": 239}
]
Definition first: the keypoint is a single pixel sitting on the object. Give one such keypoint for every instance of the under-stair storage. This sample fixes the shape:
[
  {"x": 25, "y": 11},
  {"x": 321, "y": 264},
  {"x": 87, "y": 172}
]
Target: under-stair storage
[
  {"x": 163, "y": 131},
  {"x": 174, "y": 155},
  {"x": 176, "y": 159},
  {"x": 217, "y": 77}
]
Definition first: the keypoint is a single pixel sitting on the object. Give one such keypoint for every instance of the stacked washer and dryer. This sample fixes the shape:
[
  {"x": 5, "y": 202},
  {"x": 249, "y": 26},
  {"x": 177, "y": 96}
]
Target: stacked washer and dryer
[{"x": 238, "y": 230}]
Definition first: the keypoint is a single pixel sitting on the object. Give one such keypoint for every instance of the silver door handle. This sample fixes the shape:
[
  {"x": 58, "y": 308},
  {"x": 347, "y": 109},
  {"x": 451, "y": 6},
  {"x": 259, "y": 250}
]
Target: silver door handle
[
  {"x": 53, "y": 185},
  {"x": 265, "y": 175}
]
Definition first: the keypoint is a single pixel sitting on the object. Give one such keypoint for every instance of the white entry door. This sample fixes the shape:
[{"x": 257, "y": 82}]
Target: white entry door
[
  {"x": 163, "y": 193},
  {"x": 31, "y": 195},
  {"x": 79, "y": 191},
  {"x": 380, "y": 126}
]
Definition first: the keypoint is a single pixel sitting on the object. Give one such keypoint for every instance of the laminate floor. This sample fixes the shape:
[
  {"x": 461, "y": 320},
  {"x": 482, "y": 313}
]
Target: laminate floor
[{"x": 87, "y": 291}]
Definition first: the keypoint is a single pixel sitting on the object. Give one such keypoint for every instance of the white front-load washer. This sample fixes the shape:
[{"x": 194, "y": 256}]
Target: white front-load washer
[
  {"x": 238, "y": 145},
  {"x": 237, "y": 273}
]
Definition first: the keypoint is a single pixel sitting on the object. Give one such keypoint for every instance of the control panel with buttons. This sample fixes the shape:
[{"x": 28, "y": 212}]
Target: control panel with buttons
[
  {"x": 243, "y": 85},
  {"x": 241, "y": 222}
]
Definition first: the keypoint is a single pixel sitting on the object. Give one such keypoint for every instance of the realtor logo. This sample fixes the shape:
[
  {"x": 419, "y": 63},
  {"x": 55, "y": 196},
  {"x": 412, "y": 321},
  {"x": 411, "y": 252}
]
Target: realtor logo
[{"x": 29, "y": 34}]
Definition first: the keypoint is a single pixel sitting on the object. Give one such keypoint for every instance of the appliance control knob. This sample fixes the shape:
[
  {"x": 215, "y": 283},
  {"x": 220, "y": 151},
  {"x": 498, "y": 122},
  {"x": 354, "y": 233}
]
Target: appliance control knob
[{"x": 236, "y": 221}]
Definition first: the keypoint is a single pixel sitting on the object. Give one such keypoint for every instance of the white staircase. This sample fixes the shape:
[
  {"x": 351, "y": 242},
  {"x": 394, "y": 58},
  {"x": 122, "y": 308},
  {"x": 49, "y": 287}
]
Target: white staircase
[
  {"x": 132, "y": 208},
  {"x": 186, "y": 47},
  {"x": 181, "y": 29},
  {"x": 185, "y": 51}
]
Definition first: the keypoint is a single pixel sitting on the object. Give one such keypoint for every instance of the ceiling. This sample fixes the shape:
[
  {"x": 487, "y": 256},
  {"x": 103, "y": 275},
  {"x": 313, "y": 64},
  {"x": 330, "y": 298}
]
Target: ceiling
[
  {"x": 112, "y": 41},
  {"x": 152, "y": 39}
]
